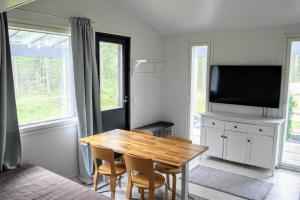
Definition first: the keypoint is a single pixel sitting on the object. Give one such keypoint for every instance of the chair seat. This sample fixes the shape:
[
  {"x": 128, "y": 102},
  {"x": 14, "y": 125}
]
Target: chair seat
[
  {"x": 105, "y": 168},
  {"x": 165, "y": 169},
  {"x": 142, "y": 181}
]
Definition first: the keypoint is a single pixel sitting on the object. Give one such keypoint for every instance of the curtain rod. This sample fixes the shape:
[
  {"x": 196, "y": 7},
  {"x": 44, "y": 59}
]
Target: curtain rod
[{"x": 46, "y": 14}]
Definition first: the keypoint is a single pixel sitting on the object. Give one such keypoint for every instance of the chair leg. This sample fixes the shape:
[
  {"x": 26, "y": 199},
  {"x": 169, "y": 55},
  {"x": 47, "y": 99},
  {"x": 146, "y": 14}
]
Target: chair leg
[
  {"x": 166, "y": 191},
  {"x": 168, "y": 181},
  {"x": 151, "y": 194},
  {"x": 142, "y": 194},
  {"x": 112, "y": 186},
  {"x": 129, "y": 190},
  {"x": 96, "y": 177},
  {"x": 120, "y": 180},
  {"x": 174, "y": 187}
]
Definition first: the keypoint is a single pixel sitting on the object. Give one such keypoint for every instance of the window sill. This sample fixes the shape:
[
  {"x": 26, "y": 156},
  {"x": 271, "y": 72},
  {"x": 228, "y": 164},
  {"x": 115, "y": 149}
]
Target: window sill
[{"x": 38, "y": 127}]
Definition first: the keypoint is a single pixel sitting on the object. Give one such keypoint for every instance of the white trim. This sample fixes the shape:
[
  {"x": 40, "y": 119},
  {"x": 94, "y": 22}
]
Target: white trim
[
  {"x": 289, "y": 38},
  {"x": 42, "y": 126},
  {"x": 284, "y": 96},
  {"x": 209, "y": 43},
  {"x": 292, "y": 35},
  {"x": 290, "y": 167},
  {"x": 38, "y": 26},
  {"x": 36, "y": 128}
]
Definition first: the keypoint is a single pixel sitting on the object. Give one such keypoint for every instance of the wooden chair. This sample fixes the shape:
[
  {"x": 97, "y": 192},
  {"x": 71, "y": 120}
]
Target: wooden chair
[
  {"x": 109, "y": 167},
  {"x": 142, "y": 132},
  {"x": 141, "y": 174},
  {"x": 168, "y": 170}
]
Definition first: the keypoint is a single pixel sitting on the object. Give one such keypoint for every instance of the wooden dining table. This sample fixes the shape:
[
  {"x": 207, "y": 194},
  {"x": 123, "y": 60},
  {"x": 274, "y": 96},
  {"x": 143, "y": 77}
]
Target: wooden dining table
[{"x": 160, "y": 150}]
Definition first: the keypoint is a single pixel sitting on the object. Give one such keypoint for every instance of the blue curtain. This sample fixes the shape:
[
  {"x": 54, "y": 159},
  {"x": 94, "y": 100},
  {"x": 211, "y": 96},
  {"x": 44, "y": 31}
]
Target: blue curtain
[
  {"x": 10, "y": 144},
  {"x": 87, "y": 89}
]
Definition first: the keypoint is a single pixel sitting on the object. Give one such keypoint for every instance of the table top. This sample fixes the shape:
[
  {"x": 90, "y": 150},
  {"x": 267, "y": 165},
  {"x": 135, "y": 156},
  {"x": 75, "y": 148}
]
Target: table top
[{"x": 158, "y": 149}]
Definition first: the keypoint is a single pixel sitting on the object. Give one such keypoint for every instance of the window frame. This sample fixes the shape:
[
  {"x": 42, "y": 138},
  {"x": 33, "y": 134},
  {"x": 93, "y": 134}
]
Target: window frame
[
  {"x": 283, "y": 109},
  {"x": 192, "y": 44},
  {"x": 28, "y": 129}
]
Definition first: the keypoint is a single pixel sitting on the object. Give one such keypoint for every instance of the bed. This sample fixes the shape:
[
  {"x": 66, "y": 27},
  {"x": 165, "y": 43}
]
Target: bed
[{"x": 33, "y": 182}]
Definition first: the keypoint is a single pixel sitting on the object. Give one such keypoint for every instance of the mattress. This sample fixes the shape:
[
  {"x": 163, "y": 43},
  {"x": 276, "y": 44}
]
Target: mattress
[{"x": 33, "y": 182}]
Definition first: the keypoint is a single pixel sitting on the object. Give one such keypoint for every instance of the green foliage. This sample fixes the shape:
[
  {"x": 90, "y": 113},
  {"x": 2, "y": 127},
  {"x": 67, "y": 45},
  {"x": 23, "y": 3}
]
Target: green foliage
[
  {"x": 39, "y": 85},
  {"x": 201, "y": 82},
  {"x": 290, "y": 124},
  {"x": 109, "y": 75},
  {"x": 41, "y": 108}
]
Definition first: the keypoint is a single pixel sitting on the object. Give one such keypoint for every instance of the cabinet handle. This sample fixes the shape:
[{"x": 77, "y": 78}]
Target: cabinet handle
[
  {"x": 248, "y": 140},
  {"x": 260, "y": 130},
  {"x": 225, "y": 137},
  {"x": 235, "y": 126},
  {"x": 213, "y": 123},
  {"x": 222, "y": 136}
]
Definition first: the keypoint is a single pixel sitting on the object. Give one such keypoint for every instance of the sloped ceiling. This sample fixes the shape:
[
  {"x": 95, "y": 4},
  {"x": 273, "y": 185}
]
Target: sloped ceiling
[
  {"x": 6, "y": 5},
  {"x": 184, "y": 16}
]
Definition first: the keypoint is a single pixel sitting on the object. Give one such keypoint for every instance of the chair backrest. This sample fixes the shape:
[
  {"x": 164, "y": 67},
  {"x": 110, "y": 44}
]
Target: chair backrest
[
  {"x": 142, "y": 132},
  {"x": 139, "y": 165},
  {"x": 180, "y": 139},
  {"x": 105, "y": 154}
]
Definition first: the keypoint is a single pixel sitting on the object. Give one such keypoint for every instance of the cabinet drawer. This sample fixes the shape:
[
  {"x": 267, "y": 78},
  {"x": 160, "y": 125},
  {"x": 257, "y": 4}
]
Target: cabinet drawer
[
  {"x": 261, "y": 130},
  {"x": 240, "y": 127},
  {"x": 213, "y": 123}
]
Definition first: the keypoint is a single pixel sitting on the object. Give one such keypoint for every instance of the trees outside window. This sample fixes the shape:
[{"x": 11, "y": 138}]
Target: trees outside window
[{"x": 42, "y": 76}]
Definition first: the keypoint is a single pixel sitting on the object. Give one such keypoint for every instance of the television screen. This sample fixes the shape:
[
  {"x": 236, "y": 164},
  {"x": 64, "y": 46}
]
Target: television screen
[{"x": 245, "y": 85}]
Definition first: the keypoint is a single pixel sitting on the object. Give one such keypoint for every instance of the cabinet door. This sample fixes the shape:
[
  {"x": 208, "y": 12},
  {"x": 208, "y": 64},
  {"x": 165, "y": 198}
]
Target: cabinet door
[
  {"x": 214, "y": 141},
  {"x": 261, "y": 150},
  {"x": 235, "y": 146}
]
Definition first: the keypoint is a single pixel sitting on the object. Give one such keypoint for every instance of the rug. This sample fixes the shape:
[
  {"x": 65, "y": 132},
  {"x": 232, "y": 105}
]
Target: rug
[{"x": 231, "y": 183}]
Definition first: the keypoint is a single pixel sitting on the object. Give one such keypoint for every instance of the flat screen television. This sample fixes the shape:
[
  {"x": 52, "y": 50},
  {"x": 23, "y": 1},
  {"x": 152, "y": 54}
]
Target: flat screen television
[{"x": 245, "y": 85}]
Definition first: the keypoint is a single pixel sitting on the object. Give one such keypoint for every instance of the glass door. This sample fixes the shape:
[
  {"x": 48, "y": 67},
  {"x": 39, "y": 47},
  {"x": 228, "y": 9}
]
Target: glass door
[
  {"x": 291, "y": 150},
  {"x": 112, "y": 52},
  {"x": 199, "y": 61}
]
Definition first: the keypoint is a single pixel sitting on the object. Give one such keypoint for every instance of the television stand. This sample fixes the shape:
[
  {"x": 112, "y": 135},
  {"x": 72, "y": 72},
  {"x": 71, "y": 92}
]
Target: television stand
[{"x": 244, "y": 139}]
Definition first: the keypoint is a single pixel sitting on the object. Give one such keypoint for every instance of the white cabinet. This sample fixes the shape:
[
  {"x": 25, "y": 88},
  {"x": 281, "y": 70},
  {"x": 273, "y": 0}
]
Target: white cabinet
[
  {"x": 235, "y": 146},
  {"x": 214, "y": 139},
  {"x": 241, "y": 138},
  {"x": 261, "y": 150}
]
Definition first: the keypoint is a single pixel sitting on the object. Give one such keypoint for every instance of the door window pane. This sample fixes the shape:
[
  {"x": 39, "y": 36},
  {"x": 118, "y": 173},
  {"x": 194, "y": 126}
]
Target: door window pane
[
  {"x": 110, "y": 75},
  {"x": 199, "y": 65},
  {"x": 41, "y": 70}
]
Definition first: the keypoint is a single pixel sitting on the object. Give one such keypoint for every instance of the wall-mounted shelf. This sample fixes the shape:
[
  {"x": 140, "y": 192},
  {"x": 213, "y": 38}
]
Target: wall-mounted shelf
[{"x": 156, "y": 65}]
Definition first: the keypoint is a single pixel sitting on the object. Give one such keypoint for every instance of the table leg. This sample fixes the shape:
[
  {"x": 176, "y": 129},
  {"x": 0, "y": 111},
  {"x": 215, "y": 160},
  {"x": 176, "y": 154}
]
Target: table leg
[{"x": 185, "y": 182}]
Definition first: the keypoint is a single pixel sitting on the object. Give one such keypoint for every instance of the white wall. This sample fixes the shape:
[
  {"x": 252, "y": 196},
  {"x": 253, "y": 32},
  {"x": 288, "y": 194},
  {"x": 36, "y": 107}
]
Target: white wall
[
  {"x": 263, "y": 46},
  {"x": 54, "y": 149},
  {"x": 110, "y": 18}
]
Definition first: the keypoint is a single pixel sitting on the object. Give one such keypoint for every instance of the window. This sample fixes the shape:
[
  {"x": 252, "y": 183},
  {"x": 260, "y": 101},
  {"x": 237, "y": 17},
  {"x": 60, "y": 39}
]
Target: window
[
  {"x": 111, "y": 75},
  {"x": 199, "y": 64},
  {"x": 41, "y": 69}
]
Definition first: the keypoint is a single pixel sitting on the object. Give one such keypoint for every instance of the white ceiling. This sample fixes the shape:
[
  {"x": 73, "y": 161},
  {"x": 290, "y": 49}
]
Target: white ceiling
[
  {"x": 10, "y": 4},
  {"x": 184, "y": 16}
]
